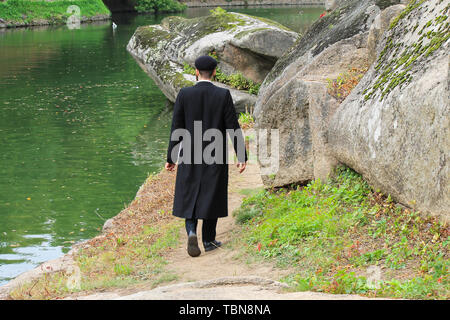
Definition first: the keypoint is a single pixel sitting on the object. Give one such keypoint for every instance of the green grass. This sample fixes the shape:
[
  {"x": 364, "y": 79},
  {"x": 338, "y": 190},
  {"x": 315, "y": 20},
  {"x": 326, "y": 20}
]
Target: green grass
[
  {"x": 25, "y": 11},
  {"x": 329, "y": 235},
  {"x": 115, "y": 263},
  {"x": 236, "y": 80}
]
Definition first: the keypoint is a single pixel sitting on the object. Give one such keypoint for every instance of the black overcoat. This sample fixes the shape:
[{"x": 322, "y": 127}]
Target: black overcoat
[{"x": 201, "y": 189}]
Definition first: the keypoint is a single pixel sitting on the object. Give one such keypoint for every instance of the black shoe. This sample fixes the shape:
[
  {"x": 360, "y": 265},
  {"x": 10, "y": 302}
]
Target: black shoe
[
  {"x": 192, "y": 246},
  {"x": 211, "y": 245}
]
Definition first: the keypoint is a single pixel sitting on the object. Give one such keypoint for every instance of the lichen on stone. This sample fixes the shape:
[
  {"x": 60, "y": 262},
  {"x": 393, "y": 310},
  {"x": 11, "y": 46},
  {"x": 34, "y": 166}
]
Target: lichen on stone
[
  {"x": 325, "y": 32},
  {"x": 399, "y": 57}
]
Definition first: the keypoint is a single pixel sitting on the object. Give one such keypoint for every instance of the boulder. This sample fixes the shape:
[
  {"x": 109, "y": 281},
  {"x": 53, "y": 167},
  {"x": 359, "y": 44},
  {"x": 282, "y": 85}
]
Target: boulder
[
  {"x": 294, "y": 96},
  {"x": 242, "y": 43},
  {"x": 394, "y": 128}
]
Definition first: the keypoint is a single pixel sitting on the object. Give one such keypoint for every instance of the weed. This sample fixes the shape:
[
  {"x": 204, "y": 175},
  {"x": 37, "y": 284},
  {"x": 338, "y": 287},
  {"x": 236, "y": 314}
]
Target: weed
[{"x": 343, "y": 85}]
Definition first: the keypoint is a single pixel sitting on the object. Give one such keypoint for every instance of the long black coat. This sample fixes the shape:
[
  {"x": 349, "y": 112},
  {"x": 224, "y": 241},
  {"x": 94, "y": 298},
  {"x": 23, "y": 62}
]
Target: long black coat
[{"x": 201, "y": 189}]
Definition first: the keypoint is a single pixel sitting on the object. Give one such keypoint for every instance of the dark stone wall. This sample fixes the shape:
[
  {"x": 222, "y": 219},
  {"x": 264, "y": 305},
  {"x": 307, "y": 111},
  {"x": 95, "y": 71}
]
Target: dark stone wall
[{"x": 120, "y": 5}]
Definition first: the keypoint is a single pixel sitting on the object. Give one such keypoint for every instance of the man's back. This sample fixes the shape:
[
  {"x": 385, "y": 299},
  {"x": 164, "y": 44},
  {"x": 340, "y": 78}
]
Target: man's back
[{"x": 203, "y": 106}]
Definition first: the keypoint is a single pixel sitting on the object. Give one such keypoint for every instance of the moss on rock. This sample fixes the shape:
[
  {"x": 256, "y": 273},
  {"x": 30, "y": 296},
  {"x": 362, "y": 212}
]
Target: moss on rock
[
  {"x": 16, "y": 13},
  {"x": 399, "y": 58}
]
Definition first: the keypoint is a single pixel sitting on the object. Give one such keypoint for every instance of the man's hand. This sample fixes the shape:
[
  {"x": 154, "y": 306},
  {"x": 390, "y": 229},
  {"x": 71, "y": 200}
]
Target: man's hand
[
  {"x": 169, "y": 166},
  {"x": 241, "y": 166}
]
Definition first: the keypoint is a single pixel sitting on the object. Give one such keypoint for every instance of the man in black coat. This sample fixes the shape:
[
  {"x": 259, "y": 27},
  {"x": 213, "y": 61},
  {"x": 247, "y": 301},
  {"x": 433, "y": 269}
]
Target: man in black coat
[{"x": 203, "y": 115}]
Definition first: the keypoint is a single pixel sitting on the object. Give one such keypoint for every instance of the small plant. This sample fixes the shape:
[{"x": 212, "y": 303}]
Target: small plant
[
  {"x": 246, "y": 120},
  {"x": 343, "y": 85},
  {"x": 331, "y": 233}
]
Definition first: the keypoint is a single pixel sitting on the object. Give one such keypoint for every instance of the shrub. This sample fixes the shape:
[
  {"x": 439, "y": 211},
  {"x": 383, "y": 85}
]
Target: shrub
[{"x": 159, "y": 6}]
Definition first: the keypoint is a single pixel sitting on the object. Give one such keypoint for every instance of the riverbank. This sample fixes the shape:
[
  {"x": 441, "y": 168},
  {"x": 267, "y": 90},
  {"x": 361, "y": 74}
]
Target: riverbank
[{"x": 19, "y": 13}]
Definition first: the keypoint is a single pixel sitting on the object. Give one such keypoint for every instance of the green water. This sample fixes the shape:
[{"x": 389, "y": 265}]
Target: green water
[{"x": 81, "y": 127}]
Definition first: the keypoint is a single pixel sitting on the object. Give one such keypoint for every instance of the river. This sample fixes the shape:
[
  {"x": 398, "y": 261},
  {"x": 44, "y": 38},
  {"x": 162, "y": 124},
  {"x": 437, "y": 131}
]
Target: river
[{"x": 81, "y": 127}]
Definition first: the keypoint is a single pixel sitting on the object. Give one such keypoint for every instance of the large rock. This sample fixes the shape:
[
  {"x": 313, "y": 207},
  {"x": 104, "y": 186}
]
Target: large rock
[
  {"x": 394, "y": 128},
  {"x": 294, "y": 96},
  {"x": 242, "y": 43}
]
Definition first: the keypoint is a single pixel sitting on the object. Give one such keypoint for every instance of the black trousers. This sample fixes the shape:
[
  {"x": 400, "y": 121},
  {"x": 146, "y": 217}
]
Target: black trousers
[{"x": 208, "y": 228}]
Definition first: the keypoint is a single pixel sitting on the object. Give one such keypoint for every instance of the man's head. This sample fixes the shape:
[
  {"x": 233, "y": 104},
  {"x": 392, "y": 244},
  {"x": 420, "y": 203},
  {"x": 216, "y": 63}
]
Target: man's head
[{"x": 205, "y": 67}]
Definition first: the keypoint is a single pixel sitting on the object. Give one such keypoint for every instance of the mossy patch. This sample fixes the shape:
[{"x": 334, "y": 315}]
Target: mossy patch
[
  {"x": 132, "y": 252},
  {"x": 411, "y": 6},
  {"x": 235, "y": 80},
  {"x": 399, "y": 58},
  {"x": 167, "y": 74},
  {"x": 179, "y": 81},
  {"x": 39, "y": 12}
]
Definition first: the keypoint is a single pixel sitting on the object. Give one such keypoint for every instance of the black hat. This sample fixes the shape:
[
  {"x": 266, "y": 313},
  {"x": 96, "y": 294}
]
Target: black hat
[{"x": 205, "y": 63}]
